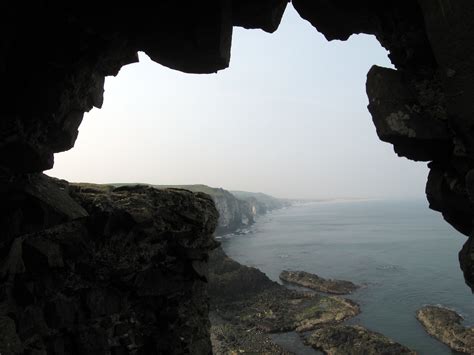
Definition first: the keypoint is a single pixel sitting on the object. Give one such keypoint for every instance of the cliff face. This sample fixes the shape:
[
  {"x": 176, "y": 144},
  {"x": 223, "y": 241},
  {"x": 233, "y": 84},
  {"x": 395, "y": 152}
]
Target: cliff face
[
  {"x": 118, "y": 271},
  {"x": 240, "y": 209},
  {"x": 237, "y": 209},
  {"x": 261, "y": 203},
  {"x": 233, "y": 213}
]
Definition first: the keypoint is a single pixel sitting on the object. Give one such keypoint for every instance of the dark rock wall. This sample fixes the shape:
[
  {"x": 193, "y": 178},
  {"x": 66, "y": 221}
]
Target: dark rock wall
[{"x": 116, "y": 271}]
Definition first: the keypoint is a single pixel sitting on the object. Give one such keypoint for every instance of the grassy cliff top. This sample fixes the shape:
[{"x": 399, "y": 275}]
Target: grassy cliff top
[{"x": 212, "y": 191}]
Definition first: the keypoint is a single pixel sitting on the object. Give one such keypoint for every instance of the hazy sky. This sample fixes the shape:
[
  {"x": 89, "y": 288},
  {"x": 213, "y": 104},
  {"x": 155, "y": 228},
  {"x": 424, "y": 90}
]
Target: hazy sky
[{"x": 288, "y": 118}]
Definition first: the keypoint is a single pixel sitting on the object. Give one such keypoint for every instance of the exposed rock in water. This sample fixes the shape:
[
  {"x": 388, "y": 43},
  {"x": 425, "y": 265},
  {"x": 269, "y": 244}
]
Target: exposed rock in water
[
  {"x": 314, "y": 282},
  {"x": 244, "y": 298},
  {"x": 283, "y": 310},
  {"x": 354, "y": 340},
  {"x": 445, "y": 325},
  {"x": 107, "y": 270},
  {"x": 246, "y": 306}
]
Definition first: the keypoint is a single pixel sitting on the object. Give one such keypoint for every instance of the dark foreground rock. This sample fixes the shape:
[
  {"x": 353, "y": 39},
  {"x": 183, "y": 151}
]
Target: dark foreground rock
[
  {"x": 233, "y": 338},
  {"x": 107, "y": 271},
  {"x": 354, "y": 340},
  {"x": 230, "y": 281},
  {"x": 445, "y": 325},
  {"x": 314, "y": 282}
]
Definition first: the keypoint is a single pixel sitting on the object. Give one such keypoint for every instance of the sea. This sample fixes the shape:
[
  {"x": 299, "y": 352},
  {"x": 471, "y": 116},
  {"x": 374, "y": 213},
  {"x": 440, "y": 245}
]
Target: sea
[{"x": 402, "y": 253}]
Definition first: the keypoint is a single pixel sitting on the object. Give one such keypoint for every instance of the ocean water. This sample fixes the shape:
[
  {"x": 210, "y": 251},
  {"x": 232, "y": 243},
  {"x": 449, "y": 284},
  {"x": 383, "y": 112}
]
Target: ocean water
[{"x": 404, "y": 254}]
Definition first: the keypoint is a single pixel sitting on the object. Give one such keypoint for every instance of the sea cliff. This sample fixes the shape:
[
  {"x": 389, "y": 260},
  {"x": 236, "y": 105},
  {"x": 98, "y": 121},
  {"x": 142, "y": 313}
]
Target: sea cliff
[
  {"x": 97, "y": 269},
  {"x": 237, "y": 209}
]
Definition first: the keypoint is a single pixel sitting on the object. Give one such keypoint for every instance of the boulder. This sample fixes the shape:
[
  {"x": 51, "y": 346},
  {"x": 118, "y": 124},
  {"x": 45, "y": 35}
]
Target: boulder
[{"x": 354, "y": 340}]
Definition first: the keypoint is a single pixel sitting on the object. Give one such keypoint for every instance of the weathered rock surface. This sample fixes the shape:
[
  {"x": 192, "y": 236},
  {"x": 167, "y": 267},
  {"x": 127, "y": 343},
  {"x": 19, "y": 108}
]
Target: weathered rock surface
[
  {"x": 233, "y": 338},
  {"x": 243, "y": 298},
  {"x": 445, "y": 325},
  {"x": 275, "y": 312},
  {"x": 354, "y": 340},
  {"x": 231, "y": 281},
  {"x": 246, "y": 306},
  {"x": 314, "y": 282},
  {"x": 117, "y": 271}
]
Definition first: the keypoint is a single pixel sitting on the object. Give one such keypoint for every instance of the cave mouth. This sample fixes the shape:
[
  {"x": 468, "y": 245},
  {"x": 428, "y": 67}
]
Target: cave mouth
[
  {"x": 77, "y": 256},
  {"x": 178, "y": 113},
  {"x": 283, "y": 108}
]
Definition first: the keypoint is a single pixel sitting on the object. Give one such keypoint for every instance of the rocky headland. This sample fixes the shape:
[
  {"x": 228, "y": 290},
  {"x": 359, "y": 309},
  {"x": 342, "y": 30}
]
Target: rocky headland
[
  {"x": 95, "y": 269},
  {"x": 314, "y": 282},
  {"x": 237, "y": 209},
  {"x": 445, "y": 325}
]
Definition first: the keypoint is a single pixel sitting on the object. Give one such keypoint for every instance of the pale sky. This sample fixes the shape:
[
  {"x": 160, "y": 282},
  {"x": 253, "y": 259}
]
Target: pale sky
[{"x": 287, "y": 118}]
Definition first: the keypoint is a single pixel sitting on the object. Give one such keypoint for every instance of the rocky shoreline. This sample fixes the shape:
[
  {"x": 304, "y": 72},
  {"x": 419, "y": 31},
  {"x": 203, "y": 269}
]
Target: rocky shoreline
[
  {"x": 246, "y": 306},
  {"x": 314, "y": 282},
  {"x": 445, "y": 325}
]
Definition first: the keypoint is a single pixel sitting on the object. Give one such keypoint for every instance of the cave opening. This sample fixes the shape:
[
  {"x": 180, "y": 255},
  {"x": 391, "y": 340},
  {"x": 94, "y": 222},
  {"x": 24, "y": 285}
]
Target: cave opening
[
  {"x": 291, "y": 105},
  {"x": 286, "y": 119},
  {"x": 123, "y": 268}
]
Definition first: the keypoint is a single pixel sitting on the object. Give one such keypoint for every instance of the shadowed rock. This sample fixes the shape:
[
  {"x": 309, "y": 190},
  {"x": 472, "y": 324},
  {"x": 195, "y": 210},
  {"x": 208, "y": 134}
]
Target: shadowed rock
[
  {"x": 314, "y": 282},
  {"x": 122, "y": 270},
  {"x": 354, "y": 340},
  {"x": 445, "y": 325}
]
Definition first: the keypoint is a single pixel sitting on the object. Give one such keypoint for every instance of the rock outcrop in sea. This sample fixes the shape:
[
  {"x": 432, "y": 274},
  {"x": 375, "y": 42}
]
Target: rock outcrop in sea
[
  {"x": 314, "y": 282},
  {"x": 246, "y": 306},
  {"x": 446, "y": 325},
  {"x": 354, "y": 340},
  {"x": 244, "y": 298}
]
